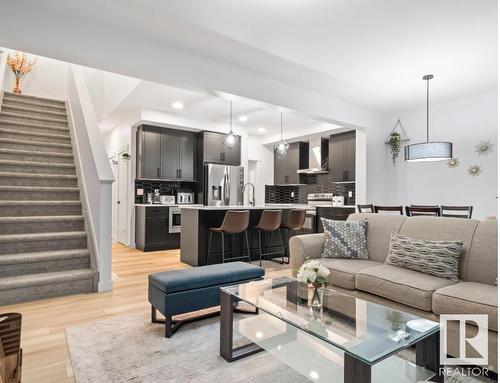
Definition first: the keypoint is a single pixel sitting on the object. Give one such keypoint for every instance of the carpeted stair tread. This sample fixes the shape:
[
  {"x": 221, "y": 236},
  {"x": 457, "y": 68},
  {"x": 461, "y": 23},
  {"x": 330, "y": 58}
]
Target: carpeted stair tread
[
  {"x": 34, "y": 143},
  {"x": 35, "y": 175},
  {"x": 39, "y": 203},
  {"x": 42, "y": 256},
  {"x": 8, "y": 122},
  {"x": 12, "y": 101},
  {"x": 30, "y": 97},
  {"x": 30, "y": 280},
  {"x": 41, "y": 218},
  {"x": 10, "y": 238},
  {"x": 35, "y": 134},
  {"x": 26, "y": 109},
  {"x": 35, "y": 153},
  {"x": 53, "y": 189},
  {"x": 30, "y": 163},
  {"x": 32, "y": 117}
]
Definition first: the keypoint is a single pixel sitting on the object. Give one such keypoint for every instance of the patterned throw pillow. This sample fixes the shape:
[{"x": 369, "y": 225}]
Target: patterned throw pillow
[
  {"x": 439, "y": 258},
  {"x": 345, "y": 239}
]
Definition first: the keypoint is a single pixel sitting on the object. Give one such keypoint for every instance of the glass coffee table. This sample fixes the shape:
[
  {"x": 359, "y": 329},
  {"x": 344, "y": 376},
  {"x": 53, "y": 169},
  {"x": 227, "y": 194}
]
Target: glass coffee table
[{"x": 349, "y": 340}]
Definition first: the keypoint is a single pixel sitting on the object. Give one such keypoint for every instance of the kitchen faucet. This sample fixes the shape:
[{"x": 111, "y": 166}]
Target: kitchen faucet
[{"x": 251, "y": 201}]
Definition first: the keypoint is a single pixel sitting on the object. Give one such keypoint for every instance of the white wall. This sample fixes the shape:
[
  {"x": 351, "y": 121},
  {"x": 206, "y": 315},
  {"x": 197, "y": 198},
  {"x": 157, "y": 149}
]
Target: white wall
[
  {"x": 47, "y": 79},
  {"x": 264, "y": 157},
  {"x": 464, "y": 122}
]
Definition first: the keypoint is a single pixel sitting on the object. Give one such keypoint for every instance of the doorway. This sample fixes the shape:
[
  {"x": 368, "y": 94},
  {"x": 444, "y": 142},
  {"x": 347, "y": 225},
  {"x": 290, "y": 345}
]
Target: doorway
[{"x": 120, "y": 219}]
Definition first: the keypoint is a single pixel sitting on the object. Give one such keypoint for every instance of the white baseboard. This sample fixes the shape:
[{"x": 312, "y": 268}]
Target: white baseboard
[{"x": 104, "y": 286}]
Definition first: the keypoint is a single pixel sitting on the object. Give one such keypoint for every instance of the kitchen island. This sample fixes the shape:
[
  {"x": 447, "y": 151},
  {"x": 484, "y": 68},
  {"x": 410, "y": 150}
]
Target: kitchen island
[{"x": 197, "y": 220}]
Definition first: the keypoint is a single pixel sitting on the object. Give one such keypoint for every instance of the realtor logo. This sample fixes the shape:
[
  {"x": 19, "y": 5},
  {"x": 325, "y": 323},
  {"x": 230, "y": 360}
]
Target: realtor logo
[{"x": 473, "y": 347}]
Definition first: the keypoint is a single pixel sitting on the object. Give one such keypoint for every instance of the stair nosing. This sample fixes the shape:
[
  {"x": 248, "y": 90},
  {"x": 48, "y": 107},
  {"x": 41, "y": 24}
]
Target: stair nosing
[
  {"x": 35, "y": 143},
  {"x": 39, "y": 202},
  {"x": 34, "y": 237},
  {"x": 32, "y": 125},
  {"x": 30, "y": 117},
  {"x": 35, "y": 134},
  {"x": 36, "y": 175},
  {"x": 31, "y": 163},
  {"x": 30, "y": 280}
]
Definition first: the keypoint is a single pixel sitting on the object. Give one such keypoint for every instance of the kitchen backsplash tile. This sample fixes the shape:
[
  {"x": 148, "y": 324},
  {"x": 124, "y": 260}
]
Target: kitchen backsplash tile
[
  {"x": 314, "y": 183},
  {"x": 165, "y": 187}
]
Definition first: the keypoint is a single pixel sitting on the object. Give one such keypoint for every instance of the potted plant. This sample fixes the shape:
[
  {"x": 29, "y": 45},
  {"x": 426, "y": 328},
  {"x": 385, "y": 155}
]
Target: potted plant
[
  {"x": 314, "y": 274},
  {"x": 19, "y": 65},
  {"x": 394, "y": 142}
]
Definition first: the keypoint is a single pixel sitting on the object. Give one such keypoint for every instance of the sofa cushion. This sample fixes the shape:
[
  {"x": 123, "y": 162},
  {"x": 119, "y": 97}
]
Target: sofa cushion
[
  {"x": 204, "y": 276},
  {"x": 439, "y": 258},
  {"x": 378, "y": 233},
  {"x": 401, "y": 285},
  {"x": 482, "y": 261},
  {"x": 343, "y": 271},
  {"x": 468, "y": 298},
  {"x": 345, "y": 239}
]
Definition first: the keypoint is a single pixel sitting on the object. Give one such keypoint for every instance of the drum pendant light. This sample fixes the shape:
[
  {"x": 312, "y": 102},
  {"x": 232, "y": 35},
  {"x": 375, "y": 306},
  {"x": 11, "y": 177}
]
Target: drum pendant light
[
  {"x": 230, "y": 139},
  {"x": 281, "y": 147},
  {"x": 428, "y": 151}
]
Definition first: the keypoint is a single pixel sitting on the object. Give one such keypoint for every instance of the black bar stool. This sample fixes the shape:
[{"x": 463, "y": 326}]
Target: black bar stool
[
  {"x": 295, "y": 222},
  {"x": 235, "y": 222},
  {"x": 269, "y": 222}
]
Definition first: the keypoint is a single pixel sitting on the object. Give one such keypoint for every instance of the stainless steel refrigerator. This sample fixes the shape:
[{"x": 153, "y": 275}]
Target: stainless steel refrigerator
[{"x": 223, "y": 185}]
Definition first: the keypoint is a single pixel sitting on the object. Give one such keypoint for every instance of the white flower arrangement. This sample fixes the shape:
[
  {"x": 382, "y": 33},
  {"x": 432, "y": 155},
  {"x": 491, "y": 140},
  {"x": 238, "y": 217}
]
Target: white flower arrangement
[{"x": 312, "y": 272}]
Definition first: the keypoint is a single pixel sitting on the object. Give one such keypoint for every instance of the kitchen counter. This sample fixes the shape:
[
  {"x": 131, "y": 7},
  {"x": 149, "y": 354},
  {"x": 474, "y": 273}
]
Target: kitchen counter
[
  {"x": 196, "y": 222},
  {"x": 161, "y": 205}
]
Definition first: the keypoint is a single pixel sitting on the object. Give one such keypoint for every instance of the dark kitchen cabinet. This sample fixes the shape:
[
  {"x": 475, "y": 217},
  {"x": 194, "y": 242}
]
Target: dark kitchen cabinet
[
  {"x": 214, "y": 150},
  {"x": 148, "y": 153},
  {"x": 285, "y": 167},
  {"x": 342, "y": 156},
  {"x": 167, "y": 154},
  {"x": 332, "y": 212},
  {"x": 151, "y": 229}
]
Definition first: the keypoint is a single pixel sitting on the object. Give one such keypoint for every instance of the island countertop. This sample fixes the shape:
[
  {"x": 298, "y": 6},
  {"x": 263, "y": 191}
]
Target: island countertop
[{"x": 247, "y": 207}]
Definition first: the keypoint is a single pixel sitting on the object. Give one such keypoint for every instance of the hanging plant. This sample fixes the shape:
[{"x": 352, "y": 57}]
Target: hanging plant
[
  {"x": 396, "y": 138},
  {"x": 394, "y": 142}
]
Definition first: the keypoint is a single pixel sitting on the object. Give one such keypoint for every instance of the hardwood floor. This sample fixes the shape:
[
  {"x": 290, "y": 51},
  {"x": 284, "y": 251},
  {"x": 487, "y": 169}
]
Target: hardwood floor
[{"x": 46, "y": 358}]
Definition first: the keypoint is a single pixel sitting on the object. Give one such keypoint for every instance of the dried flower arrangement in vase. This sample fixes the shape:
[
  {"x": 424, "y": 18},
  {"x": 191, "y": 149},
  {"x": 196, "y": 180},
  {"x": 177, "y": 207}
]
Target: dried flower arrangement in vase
[{"x": 19, "y": 65}]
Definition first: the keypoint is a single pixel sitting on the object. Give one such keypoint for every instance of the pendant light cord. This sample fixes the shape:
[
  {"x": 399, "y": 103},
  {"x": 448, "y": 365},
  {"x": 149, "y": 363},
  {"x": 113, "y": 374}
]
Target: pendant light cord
[
  {"x": 281, "y": 122},
  {"x": 428, "y": 79},
  {"x": 230, "y": 116}
]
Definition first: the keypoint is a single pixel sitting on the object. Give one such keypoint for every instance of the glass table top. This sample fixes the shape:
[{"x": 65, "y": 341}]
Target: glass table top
[{"x": 365, "y": 330}]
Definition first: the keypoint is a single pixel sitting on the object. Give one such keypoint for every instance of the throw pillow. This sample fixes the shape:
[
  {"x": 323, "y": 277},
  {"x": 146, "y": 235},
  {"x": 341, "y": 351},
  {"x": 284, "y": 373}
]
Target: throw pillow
[
  {"x": 345, "y": 239},
  {"x": 439, "y": 258}
]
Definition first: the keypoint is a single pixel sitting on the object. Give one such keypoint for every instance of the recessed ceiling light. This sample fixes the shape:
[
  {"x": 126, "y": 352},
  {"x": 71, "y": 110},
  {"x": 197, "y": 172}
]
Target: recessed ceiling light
[
  {"x": 314, "y": 375},
  {"x": 261, "y": 130},
  {"x": 258, "y": 334},
  {"x": 243, "y": 118},
  {"x": 177, "y": 105}
]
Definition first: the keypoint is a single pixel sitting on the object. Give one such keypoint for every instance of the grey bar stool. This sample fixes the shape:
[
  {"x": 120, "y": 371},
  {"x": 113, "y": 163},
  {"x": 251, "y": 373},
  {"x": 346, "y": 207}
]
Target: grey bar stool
[
  {"x": 269, "y": 222},
  {"x": 295, "y": 222},
  {"x": 235, "y": 222}
]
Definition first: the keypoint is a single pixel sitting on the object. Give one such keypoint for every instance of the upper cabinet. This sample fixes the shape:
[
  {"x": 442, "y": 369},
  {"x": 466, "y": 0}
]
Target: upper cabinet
[
  {"x": 342, "y": 156},
  {"x": 167, "y": 154},
  {"x": 214, "y": 150},
  {"x": 285, "y": 167}
]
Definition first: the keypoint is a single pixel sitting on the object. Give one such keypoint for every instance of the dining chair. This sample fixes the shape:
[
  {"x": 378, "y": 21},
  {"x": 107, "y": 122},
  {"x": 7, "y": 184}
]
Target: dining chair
[
  {"x": 385, "y": 209},
  {"x": 429, "y": 211},
  {"x": 456, "y": 211},
  {"x": 366, "y": 208}
]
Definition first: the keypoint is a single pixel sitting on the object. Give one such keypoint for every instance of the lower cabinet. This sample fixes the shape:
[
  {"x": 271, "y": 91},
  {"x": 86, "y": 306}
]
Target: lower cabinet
[
  {"x": 151, "y": 229},
  {"x": 332, "y": 212}
]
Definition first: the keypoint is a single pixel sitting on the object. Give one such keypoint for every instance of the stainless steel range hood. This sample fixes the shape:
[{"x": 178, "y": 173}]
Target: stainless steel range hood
[{"x": 318, "y": 157}]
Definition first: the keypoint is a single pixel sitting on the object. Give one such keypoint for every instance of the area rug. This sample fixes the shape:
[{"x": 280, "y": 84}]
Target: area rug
[{"x": 132, "y": 350}]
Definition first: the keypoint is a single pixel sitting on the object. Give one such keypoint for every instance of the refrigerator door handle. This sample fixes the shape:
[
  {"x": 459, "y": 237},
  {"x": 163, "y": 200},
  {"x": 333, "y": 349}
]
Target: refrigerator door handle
[{"x": 227, "y": 187}]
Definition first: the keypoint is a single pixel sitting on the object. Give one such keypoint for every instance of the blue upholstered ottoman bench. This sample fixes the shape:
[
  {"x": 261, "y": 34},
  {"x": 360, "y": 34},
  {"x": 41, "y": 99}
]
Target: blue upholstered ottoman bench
[{"x": 183, "y": 291}]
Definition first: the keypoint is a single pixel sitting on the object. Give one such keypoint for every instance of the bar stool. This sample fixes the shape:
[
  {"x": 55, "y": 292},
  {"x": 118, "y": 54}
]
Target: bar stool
[
  {"x": 269, "y": 222},
  {"x": 235, "y": 222},
  {"x": 295, "y": 222}
]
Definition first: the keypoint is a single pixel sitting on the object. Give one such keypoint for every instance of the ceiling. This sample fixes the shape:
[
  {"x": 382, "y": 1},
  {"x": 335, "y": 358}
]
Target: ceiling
[
  {"x": 371, "y": 53},
  {"x": 201, "y": 107}
]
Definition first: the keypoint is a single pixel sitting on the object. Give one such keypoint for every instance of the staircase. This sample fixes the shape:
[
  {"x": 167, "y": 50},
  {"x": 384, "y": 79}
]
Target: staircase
[{"x": 44, "y": 249}]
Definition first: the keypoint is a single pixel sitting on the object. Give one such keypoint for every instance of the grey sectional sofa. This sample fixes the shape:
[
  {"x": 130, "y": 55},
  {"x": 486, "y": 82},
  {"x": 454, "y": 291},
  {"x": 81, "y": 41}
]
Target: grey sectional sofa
[{"x": 411, "y": 291}]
